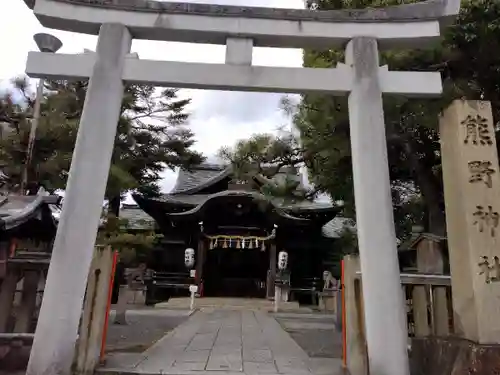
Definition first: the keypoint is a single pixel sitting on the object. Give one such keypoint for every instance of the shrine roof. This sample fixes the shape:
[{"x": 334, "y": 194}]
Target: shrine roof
[
  {"x": 18, "y": 209},
  {"x": 193, "y": 208},
  {"x": 197, "y": 186},
  {"x": 335, "y": 227},
  {"x": 332, "y": 229},
  {"x": 415, "y": 238},
  {"x": 203, "y": 176},
  {"x": 192, "y": 201},
  {"x": 200, "y": 177},
  {"x": 136, "y": 217},
  {"x": 253, "y": 195}
]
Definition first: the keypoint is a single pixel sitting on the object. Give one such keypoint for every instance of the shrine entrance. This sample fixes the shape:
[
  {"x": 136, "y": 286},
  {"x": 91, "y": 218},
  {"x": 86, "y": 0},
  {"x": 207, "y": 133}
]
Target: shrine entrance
[{"x": 230, "y": 272}]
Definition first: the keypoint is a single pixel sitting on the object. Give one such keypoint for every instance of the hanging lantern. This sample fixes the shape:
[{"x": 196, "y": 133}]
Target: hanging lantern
[
  {"x": 224, "y": 244},
  {"x": 211, "y": 244},
  {"x": 242, "y": 243},
  {"x": 189, "y": 258},
  {"x": 238, "y": 244},
  {"x": 282, "y": 260},
  {"x": 263, "y": 248},
  {"x": 230, "y": 242},
  {"x": 216, "y": 242},
  {"x": 250, "y": 243}
]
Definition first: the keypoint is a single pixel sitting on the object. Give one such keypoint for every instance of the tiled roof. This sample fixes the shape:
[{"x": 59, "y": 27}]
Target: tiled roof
[
  {"x": 191, "y": 181},
  {"x": 335, "y": 227},
  {"x": 136, "y": 217},
  {"x": 412, "y": 242},
  {"x": 332, "y": 229},
  {"x": 17, "y": 209},
  {"x": 254, "y": 195},
  {"x": 206, "y": 174},
  {"x": 197, "y": 199}
]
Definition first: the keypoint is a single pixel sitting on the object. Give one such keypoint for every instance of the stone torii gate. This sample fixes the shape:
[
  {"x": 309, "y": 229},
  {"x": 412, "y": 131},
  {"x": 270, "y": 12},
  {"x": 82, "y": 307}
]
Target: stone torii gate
[{"x": 117, "y": 22}]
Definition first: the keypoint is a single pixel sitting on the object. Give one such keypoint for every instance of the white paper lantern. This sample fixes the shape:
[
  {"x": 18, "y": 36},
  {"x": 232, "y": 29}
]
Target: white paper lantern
[
  {"x": 282, "y": 260},
  {"x": 189, "y": 258}
]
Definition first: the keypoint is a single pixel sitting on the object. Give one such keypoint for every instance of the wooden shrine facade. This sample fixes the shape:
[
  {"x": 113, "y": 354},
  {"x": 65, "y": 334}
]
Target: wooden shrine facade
[
  {"x": 27, "y": 229},
  {"x": 236, "y": 233}
]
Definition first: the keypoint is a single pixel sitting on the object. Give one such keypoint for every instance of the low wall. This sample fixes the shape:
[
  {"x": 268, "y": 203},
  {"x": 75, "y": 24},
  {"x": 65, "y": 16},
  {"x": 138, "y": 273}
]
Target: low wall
[
  {"x": 453, "y": 356},
  {"x": 14, "y": 351}
]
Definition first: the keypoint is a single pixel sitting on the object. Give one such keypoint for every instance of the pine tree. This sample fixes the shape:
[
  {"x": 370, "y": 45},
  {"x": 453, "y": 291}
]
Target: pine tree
[
  {"x": 469, "y": 70},
  {"x": 152, "y": 135}
]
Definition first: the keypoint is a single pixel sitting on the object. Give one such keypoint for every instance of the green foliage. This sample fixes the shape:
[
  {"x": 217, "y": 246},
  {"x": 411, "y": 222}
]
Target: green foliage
[
  {"x": 272, "y": 162},
  {"x": 133, "y": 246},
  {"x": 469, "y": 70},
  {"x": 151, "y": 135}
]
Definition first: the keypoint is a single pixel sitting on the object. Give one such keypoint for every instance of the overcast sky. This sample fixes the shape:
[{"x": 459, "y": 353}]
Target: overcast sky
[{"x": 218, "y": 118}]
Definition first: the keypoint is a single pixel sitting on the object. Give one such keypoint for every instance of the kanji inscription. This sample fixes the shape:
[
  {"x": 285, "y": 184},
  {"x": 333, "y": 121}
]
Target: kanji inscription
[
  {"x": 481, "y": 171},
  {"x": 477, "y": 131},
  {"x": 490, "y": 270},
  {"x": 486, "y": 219}
]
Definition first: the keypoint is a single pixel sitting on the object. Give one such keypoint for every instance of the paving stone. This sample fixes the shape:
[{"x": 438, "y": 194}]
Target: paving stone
[
  {"x": 258, "y": 355},
  {"x": 227, "y": 350},
  {"x": 201, "y": 342},
  {"x": 289, "y": 324},
  {"x": 194, "y": 356},
  {"x": 255, "y": 368},
  {"x": 230, "y": 343},
  {"x": 231, "y": 362},
  {"x": 325, "y": 366},
  {"x": 123, "y": 360},
  {"x": 189, "y": 366}
]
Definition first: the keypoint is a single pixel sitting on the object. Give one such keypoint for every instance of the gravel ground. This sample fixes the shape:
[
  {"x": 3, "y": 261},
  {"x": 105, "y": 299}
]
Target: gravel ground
[
  {"x": 144, "y": 328},
  {"x": 314, "y": 333}
]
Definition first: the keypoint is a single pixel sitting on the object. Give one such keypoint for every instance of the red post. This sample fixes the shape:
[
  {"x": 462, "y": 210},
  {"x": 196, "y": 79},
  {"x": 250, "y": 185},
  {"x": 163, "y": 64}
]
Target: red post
[
  {"x": 344, "y": 335},
  {"x": 108, "y": 305}
]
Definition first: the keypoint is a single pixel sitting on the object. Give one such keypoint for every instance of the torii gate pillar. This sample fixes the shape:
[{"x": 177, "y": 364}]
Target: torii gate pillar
[
  {"x": 385, "y": 317},
  {"x": 54, "y": 343}
]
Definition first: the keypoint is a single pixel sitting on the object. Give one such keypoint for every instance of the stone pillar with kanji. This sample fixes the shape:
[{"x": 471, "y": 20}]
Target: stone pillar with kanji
[{"x": 472, "y": 202}]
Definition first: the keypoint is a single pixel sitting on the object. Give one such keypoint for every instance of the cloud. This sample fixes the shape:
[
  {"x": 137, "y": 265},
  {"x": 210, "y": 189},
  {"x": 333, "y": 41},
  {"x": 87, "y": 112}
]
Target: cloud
[{"x": 218, "y": 118}]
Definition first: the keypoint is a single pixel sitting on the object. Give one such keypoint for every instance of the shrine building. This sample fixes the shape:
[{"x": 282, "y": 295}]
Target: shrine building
[
  {"x": 236, "y": 233},
  {"x": 28, "y": 227}
]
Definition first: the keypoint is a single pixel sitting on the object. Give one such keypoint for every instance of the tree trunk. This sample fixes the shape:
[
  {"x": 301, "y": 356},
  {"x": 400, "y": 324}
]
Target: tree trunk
[
  {"x": 114, "y": 206},
  {"x": 430, "y": 189}
]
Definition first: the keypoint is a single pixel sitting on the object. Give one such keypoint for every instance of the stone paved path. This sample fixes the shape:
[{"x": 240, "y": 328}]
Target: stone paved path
[
  {"x": 318, "y": 334},
  {"x": 224, "y": 342}
]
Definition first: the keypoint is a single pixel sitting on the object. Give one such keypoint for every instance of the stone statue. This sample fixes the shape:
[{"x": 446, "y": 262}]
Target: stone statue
[{"x": 329, "y": 282}]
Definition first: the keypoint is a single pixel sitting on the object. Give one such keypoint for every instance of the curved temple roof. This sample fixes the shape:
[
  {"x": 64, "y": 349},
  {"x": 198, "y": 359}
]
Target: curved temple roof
[
  {"x": 189, "y": 199},
  {"x": 208, "y": 23},
  {"x": 18, "y": 209},
  {"x": 189, "y": 182},
  {"x": 255, "y": 196}
]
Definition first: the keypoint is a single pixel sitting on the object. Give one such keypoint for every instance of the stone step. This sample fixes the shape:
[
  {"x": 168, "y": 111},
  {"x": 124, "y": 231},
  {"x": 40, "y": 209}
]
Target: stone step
[{"x": 231, "y": 304}]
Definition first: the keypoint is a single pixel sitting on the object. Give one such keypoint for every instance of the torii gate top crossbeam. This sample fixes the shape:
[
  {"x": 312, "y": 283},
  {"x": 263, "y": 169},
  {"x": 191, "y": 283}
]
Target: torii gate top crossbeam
[{"x": 411, "y": 25}]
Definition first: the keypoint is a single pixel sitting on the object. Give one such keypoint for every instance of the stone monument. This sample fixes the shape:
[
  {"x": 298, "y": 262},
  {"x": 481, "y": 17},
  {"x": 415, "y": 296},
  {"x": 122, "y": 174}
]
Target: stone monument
[
  {"x": 239, "y": 29},
  {"x": 472, "y": 201}
]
